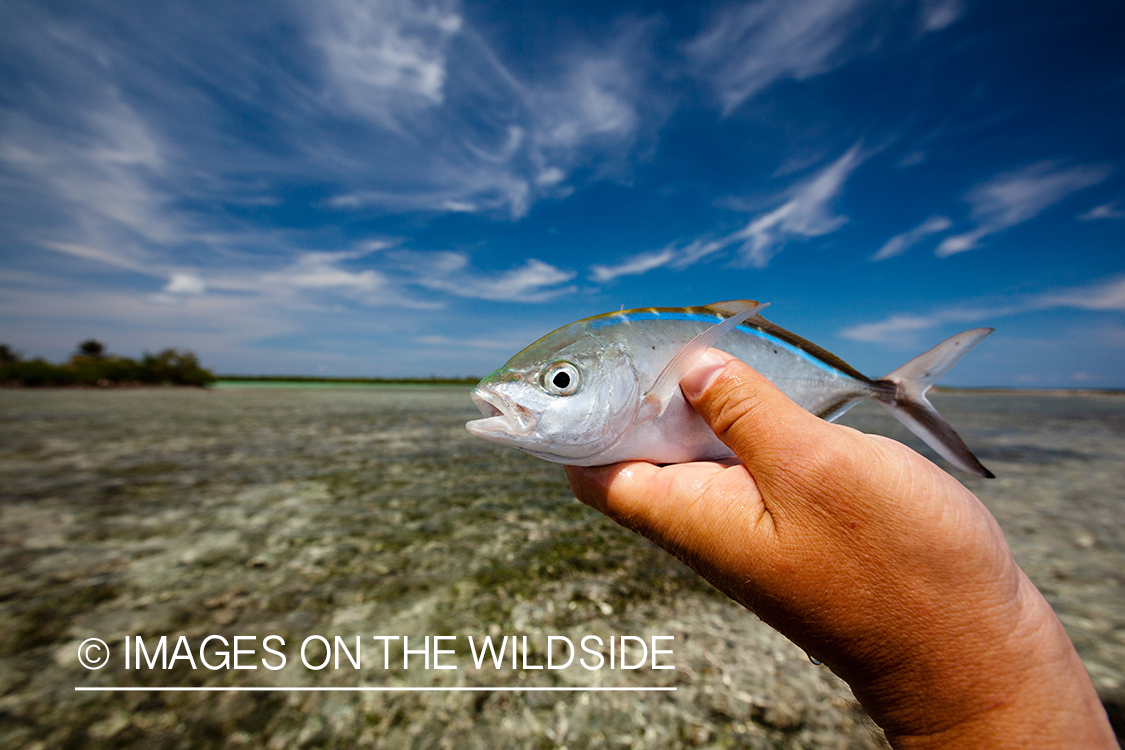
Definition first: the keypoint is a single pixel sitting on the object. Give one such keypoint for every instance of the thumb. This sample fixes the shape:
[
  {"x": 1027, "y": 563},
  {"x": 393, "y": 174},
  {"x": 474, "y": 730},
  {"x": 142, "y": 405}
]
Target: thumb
[{"x": 763, "y": 426}]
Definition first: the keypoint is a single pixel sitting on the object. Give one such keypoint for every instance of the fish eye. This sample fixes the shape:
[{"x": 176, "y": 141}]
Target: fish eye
[{"x": 560, "y": 378}]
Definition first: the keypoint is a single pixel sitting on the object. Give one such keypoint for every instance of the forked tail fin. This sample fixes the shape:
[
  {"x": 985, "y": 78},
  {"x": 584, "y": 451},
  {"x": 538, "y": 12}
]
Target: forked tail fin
[{"x": 907, "y": 399}]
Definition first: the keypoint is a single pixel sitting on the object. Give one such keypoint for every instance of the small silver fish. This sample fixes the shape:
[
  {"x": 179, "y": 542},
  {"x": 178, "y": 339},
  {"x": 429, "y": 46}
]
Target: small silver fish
[{"x": 607, "y": 389}]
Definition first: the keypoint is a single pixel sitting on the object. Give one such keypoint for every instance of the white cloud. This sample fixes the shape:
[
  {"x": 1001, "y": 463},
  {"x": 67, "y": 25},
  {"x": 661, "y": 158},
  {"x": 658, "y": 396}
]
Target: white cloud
[
  {"x": 385, "y": 56},
  {"x": 1108, "y": 295},
  {"x": 185, "y": 283},
  {"x": 534, "y": 281},
  {"x": 550, "y": 176},
  {"x": 97, "y": 254},
  {"x": 493, "y": 141},
  {"x": 900, "y": 329},
  {"x": 459, "y": 207},
  {"x": 634, "y": 266},
  {"x": 323, "y": 280},
  {"x": 593, "y": 102},
  {"x": 806, "y": 214},
  {"x": 395, "y": 106},
  {"x": 697, "y": 250},
  {"x": 450, "y": 342},
  {"x": 1104, "y": 211},
  {"x": 749, "y": 46},
  {"x": 939, "y": 14},
  {"x": 1013, "y": 198},
  {"x": 892, "y": 329},
  {"x": 900, "y": 243},
  {"x": 322, "y": 271},
  {"x": 672, "y": 256},
  {"x": 913, "y": 159},
  {"x": 99, "y": 175}
]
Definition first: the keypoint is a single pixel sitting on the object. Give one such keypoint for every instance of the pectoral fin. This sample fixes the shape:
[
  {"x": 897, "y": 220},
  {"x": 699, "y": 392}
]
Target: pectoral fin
[{"x": 668, "y": 382}]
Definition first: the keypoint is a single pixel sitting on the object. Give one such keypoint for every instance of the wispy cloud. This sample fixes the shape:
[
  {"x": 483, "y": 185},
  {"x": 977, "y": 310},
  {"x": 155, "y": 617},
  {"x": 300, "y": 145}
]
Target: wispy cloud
[
  {"x": 392, "y": 107},
  {"x": 460, "y": 132},
  {"x": 901, "y": 329},
  {"x": 749, "y": 46},
  {"x": 214, "y": 169},
  {"x": 900, "y": 243},
  {"x": 130, "y": 154},
  {"x": 939, "y": 14},
  {"x": 806, "y": 214},
  {"x": 677, "y": 255},
  {"x": 185, "y": 283},
  {"x": 385, "y": 59},
  {"x": 1104, "y": 211},
  {"x": 1108, "y": 295},
  {"x": 99, "y": 174},
  {"x": 98, "y": 255},
  {"x": 634, "y": 266},
  {"x": 1013, "y": 198},
  {"x": 593, "y": 101},
  {"x": 325, "y": 272},
  {"x": 456, "y": 343},
  {"x": 534, "y": 281}
]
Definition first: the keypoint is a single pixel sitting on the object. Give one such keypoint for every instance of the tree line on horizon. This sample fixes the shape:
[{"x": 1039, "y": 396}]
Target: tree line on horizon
[{"x": 91, "y": 365}]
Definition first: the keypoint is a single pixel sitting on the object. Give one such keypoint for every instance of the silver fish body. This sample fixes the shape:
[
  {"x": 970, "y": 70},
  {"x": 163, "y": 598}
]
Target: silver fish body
[{"x": 606, "y": 389}]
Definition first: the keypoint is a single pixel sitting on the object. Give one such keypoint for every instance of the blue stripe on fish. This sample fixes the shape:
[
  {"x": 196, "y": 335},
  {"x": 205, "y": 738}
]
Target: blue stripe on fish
[
  {"x": 638, "y": 315},
  {"x": 795, "y": 349}
]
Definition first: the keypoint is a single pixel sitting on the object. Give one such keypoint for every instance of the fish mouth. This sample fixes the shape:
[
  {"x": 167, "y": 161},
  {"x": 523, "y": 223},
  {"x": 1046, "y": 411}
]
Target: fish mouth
[{"x": 501, "y": 416}]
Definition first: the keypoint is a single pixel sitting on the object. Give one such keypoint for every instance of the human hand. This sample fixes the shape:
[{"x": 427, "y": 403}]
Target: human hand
[{"x": 872, "y": 559}]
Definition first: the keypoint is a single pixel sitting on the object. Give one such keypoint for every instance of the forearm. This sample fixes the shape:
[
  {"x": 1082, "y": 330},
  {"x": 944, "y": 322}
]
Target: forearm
[{"x": 1025, "y": 689}]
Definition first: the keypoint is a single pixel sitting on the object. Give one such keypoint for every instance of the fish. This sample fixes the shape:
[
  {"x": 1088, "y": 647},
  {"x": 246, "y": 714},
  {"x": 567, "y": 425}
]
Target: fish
[{"x": 606, "y": 389}]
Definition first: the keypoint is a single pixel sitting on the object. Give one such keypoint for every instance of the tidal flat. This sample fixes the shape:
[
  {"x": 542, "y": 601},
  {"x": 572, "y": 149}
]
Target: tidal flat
[{"x": 369, "y": 511}]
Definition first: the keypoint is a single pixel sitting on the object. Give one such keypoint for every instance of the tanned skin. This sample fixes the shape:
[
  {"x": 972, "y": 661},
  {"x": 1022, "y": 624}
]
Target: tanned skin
[{"x": 872, "y": 559}]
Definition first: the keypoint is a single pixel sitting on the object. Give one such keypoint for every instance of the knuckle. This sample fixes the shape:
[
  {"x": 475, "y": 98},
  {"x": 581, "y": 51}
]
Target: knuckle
[{"x": 731, "y": 406}]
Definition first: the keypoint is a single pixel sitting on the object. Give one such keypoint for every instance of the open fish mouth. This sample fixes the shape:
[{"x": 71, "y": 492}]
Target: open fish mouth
[{"x": 500, "y": 416}]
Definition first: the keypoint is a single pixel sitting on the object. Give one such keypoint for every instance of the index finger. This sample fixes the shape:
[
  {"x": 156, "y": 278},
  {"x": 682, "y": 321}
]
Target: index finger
[{"x": 700, "y": 511}]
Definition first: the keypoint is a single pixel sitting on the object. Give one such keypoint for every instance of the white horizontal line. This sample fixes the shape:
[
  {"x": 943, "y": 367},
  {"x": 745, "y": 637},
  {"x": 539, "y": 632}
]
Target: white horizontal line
[{"x": 374, "y": 689}]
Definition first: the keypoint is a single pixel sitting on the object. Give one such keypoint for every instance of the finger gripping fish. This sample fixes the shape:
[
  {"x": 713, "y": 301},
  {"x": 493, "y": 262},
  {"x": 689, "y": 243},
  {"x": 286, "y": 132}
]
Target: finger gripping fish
[{"x": 607, "y": 389}]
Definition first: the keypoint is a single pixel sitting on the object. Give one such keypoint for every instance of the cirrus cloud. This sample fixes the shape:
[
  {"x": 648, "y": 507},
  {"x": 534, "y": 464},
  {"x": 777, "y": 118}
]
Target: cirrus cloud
[
  {"x": 1013, "y": 198},
  {"x": 747, "y": 47},
  {"x": 1105, "y": 296}
]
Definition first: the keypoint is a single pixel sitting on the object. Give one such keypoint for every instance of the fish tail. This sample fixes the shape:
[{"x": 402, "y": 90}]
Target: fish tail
[{"x": 903, "y": 393}]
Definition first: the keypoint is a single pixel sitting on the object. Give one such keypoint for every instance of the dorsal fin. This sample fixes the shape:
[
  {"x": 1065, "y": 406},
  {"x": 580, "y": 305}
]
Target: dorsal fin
[
  {"x": 731, "y": 307},
  {"x": 735, "y": 306}
]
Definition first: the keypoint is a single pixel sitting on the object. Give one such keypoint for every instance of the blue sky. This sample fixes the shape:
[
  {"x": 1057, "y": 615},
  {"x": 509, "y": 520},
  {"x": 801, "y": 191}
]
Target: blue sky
[{"x": 350, "y": 187}]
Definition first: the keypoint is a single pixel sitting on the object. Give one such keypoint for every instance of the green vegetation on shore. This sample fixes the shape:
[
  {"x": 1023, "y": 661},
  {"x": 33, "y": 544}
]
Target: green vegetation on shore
[{"x": 90, "y": 365}]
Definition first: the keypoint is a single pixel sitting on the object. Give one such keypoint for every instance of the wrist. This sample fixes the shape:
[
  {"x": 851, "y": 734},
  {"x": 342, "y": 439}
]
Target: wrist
[{"x": 1025, "y": 687}]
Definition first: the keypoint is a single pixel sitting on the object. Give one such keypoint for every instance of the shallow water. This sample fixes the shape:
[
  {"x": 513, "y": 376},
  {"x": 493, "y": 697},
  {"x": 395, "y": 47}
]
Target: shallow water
[{"x": 367, "y": 511}]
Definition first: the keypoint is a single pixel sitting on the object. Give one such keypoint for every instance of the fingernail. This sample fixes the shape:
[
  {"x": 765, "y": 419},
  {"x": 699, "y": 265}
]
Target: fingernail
[{"x": 705, "y": 370}]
